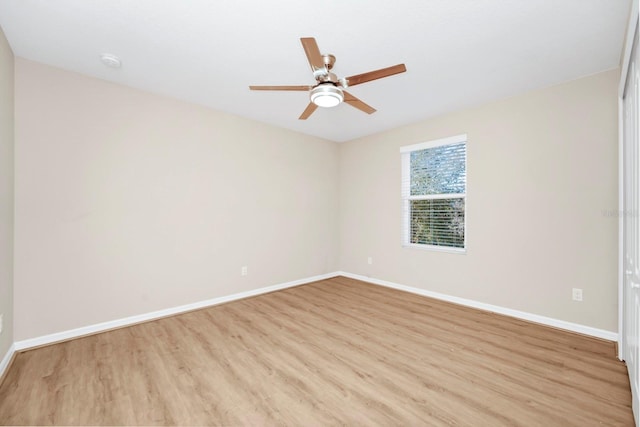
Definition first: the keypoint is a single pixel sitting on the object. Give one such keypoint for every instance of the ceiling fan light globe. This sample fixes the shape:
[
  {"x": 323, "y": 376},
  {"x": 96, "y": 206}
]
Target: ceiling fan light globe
[
  {"x": 326, "y": 101},
  {"x": 326, "y": 96}
]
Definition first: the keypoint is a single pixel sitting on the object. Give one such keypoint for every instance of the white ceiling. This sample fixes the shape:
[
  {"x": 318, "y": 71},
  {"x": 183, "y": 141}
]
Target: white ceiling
[{"x": 458, "y": 53}]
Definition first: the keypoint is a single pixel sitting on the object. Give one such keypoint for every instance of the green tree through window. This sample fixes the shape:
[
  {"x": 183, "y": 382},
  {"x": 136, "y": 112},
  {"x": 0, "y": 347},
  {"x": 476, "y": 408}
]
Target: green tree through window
[{"x": 434, "y": 193}]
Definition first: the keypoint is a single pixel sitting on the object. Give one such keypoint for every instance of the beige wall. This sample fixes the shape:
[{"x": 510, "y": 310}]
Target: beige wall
[
  {"x": 127, "y": 202},
  {"x": 542, "y": 196},
  {"x": 6, "y": 192}
]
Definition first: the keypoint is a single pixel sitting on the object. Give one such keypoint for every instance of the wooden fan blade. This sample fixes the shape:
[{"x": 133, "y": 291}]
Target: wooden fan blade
[
  {"x": 302, "y": 88},
  {"x": 308, "y": 111},
  {"x": 355, "y": 102},
  {"x": 313, "y": 53},
  {"x": 374, "y": 75}
]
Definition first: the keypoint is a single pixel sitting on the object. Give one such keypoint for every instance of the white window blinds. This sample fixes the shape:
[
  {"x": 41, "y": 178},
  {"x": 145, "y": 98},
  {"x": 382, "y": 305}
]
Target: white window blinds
[{"x": 434, "y": 187}]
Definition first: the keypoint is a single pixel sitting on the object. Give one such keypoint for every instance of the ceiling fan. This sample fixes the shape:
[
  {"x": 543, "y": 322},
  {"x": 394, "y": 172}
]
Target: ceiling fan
[{"x": 329, "y": 91}]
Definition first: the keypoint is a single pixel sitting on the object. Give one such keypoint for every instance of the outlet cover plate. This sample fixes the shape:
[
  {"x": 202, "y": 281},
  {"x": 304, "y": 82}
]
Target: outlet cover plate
[{"x": 577, "y": 294}]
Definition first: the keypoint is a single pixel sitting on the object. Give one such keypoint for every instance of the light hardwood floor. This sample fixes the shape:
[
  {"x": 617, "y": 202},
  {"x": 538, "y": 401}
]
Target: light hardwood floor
[{"x": 335, "y": 352}]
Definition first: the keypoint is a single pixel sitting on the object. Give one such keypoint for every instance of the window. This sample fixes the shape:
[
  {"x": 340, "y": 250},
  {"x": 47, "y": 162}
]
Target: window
[{"x": 434, "y": 189}]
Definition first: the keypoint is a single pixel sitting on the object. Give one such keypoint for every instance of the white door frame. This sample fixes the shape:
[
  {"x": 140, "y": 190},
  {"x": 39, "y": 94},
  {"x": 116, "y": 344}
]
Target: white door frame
[
  {"x": 634, "y": 18},
  {"x": 627, "y": 315}
]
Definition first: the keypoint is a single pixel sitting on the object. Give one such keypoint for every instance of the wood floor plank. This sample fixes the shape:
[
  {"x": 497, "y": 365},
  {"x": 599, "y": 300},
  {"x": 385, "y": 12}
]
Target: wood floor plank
[{"x": 334, "y": 352}]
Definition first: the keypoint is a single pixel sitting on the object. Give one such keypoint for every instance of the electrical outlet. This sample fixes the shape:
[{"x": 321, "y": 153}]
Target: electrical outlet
[
  {"x": 244, "y": 270},
  {"x": 369, "y": 260},
  {"x": 577, "y": 294}
]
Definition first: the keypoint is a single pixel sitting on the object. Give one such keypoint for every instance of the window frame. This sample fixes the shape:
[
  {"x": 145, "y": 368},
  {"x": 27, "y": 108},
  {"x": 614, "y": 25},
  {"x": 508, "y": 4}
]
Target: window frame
[{"x": 405, "y": 184}]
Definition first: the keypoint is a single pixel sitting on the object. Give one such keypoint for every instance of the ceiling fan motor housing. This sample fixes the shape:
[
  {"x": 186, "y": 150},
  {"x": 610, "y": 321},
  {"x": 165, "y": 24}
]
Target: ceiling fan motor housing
[{"x": 323, "y": 75}]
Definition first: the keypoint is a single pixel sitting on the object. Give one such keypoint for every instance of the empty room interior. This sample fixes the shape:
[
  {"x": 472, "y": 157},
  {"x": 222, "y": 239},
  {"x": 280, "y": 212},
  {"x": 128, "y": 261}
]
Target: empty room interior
[{"x": 335, "y": 213}]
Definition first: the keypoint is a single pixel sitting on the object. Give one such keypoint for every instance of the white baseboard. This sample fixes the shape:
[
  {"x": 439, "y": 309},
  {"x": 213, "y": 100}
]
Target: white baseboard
[
  {"x": 548, "y": 321},
  {"x": 4, "y": 364},
  {"x": 128, "y": 321}
]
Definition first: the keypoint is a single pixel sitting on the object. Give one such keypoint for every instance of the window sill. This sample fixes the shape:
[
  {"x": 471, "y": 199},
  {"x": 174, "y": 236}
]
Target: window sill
[{"x": 460, "y": 251}]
